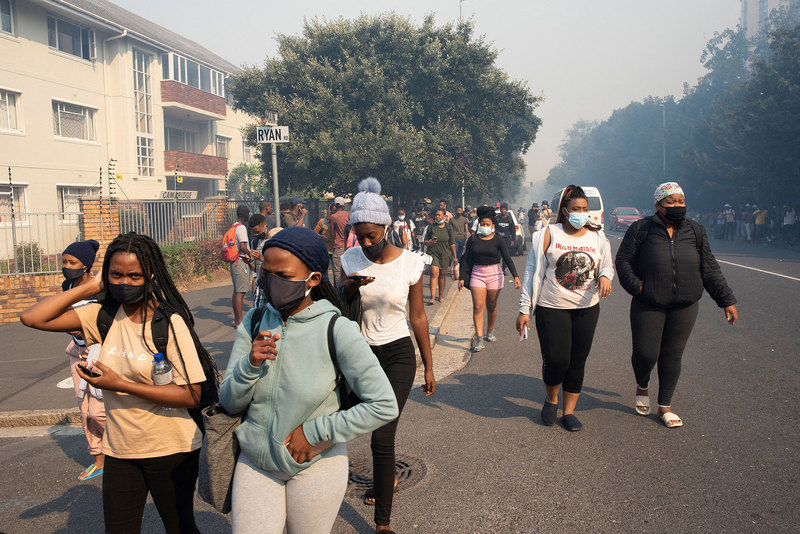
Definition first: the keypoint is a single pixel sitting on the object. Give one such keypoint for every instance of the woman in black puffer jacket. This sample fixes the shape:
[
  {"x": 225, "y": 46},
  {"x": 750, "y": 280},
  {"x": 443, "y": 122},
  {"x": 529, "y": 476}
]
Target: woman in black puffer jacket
[{"x": 665, "y": 262}]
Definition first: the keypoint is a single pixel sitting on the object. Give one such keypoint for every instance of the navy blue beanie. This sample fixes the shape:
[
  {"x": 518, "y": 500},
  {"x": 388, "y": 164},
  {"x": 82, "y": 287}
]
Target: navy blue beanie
[
  {"x": 85, "y": 251},
  {"x": 305, "y": 244}
]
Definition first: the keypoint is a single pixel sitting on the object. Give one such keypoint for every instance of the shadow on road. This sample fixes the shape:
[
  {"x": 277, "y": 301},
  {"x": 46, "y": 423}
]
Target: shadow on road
[
  {"x": 509, "y": 395},
  {"x": 354, "y": 519},
  {"x": 211, "y": 311},
  {"x": 80, "y": 502}
]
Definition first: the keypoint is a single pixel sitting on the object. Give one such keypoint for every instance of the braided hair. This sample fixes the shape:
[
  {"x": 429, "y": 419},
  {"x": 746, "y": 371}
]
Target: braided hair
[
  {"x": 159, "y": 287},
  {"x": 324, "y": 290},
  {"x": 571, "y": 192}
]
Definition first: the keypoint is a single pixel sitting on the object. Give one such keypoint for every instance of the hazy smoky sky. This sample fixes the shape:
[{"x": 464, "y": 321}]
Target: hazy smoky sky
[{"x": 586, "y": 57}]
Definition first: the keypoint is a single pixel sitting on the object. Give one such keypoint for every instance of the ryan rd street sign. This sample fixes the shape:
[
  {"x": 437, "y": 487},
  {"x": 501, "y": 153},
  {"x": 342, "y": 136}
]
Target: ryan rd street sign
[{"x": 272, "y": 134}]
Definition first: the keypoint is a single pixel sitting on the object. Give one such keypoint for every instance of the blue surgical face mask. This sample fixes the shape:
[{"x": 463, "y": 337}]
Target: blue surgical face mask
[
  {"x": 578, "y": 219},
  {"x": 402, "y": 217},
  {"x": 485, "y": 230}
]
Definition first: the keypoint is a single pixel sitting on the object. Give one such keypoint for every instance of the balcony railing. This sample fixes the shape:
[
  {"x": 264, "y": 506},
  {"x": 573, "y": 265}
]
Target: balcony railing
[
  {"x": 187, "y": 97},
  {"x": 194, "y": 163}
]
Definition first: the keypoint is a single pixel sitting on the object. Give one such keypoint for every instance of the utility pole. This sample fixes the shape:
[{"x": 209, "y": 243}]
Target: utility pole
[
  {"x": 663, "y": 141},
  {"x": 462, "y": 178}
]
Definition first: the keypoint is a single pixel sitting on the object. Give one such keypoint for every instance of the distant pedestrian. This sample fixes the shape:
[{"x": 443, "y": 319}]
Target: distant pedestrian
[
  {"x": 292, "y": 470},
  {"x": 151, "y": 441},
  {"x": 441, "y": 246},
  {"x": 534, "y": 219},
  {"x": 240, "y": 267},
  {"x": 258, "y": 236},
  {"x": 404, "y": 228},
  {"x": 545, "y": 213},
  {"x": 729, "y": 219},
  {"x": 447, "y": 215},
  {"x": 296, "y": 216},
  {"x": 391, "y": 299},
  {"x": 761, "y": 226},
  {"x": 338, "y": 228},
  {"x": 665, "y": 262},
  {"x": 480, "y": 272},
  {"x": 460, "y": 224},
  {"x": 506, "y": 229},
  {"x": 748, "y": 217},
  {"x": 569, "y": 270},
  {"x": 420, "y": 221},
  {"x": 77, "y": 261},
  {"x": 789, "y": 224},
  {"x": 265, "y": 209}
]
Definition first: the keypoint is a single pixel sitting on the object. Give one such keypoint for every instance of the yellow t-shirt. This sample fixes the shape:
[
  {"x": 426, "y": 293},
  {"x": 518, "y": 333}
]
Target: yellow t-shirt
[
  {"x": 136, "y": 427},
  {"x": 761, "y": 216}
]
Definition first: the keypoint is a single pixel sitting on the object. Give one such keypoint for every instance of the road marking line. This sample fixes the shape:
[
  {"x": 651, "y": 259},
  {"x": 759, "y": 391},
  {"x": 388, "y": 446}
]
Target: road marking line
[{"x": 759, "y": 270}]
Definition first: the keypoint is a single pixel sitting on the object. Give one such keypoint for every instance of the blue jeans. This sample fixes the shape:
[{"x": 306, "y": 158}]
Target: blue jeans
[{"x": 460, "y": 247}]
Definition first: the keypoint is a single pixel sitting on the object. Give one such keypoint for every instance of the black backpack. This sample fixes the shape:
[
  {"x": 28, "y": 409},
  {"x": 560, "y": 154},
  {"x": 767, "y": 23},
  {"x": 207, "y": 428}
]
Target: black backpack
[
  {"x": 347, "y": 399},
  {"x": 159, "y": 328}
]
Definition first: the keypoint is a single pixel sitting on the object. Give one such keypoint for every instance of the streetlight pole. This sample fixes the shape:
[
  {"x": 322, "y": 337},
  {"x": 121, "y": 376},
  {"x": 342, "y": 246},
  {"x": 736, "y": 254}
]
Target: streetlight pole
[
  {"x": 663, "y": 141},
  {"x": 462, "y": 178}
]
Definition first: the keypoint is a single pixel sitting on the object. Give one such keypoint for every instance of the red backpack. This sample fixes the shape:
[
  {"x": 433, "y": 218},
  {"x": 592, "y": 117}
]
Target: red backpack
[{"x": 230, "y": 248}]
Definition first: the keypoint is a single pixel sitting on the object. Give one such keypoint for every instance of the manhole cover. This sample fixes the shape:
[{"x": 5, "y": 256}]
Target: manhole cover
[{"x": 409, "y": 472}]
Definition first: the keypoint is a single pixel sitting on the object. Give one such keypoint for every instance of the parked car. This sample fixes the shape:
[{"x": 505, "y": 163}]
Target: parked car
[
  {"x": 596, "y": 215},
  {"x": 621, "y": 218}
]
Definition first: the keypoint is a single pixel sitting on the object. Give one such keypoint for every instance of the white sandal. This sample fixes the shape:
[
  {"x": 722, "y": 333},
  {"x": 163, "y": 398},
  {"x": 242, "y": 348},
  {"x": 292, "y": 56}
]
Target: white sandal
[
  {"x": 671, "y": 420},
  {"x": 642, "y": 405}
]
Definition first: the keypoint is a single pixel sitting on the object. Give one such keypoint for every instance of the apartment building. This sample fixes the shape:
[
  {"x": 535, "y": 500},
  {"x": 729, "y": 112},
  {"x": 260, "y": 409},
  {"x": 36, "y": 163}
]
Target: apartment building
[{"x": 86, "y": 85}]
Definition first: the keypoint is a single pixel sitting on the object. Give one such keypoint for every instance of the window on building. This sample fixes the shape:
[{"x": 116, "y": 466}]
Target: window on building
[
  {"x": 6, "y": 20},
  {"x": 247, "y": 152},
  {"x": 223, "y": 147},
  {"x": 20, "y": 203},
  {"x": 70, "y": 120},
  {"x": 165, "y": 66},
  {"x": 180, "y": 140},
  {"x": 146, "y": 156},
  {"x": 70, "y": 38},
  {"x": 192, "y": 73},
  {"x": 69, "y": 197},
  {"x": 9, "y": 115},
  {"x": 142, "y": 92}
]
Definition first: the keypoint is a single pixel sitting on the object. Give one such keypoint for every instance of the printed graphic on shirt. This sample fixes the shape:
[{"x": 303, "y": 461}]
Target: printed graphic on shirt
[{"x": 575, "y": 269}]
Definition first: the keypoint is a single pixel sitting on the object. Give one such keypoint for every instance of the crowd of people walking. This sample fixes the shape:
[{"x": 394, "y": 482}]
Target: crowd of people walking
[{"x": 326, "y": 353}]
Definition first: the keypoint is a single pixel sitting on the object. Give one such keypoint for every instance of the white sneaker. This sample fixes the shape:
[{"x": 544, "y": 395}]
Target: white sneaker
[
  {"x": 477, "y": 344},
  {"x": 490, "y": 336}
]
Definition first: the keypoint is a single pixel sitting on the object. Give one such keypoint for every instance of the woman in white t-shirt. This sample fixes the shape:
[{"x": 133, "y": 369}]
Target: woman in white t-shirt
[
  {"x": 569, "y": 269},
  {"x": 151, "y": 441},
  {"x": 389, "y": 279}
]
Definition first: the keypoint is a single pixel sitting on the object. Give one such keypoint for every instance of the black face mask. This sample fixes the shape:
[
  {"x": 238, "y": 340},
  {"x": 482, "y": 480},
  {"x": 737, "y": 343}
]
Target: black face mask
[
  {"x": 71, "y": 275},
  {"x": 283, "y": 294},
  {"x": 126, "y": 294},
  {"x": 674, "y": 214},
  {"x": 373, "y": 251}
]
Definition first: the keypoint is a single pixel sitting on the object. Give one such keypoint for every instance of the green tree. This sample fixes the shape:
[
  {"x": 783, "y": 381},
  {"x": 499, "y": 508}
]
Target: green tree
[
  {"x": 422, "y": 108},
  {"x": 248, "y": 181}
]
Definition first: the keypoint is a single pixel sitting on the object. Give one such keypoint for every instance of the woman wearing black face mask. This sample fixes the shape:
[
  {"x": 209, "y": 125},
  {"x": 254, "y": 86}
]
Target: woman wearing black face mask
[
  {"x": 392, "y": 283},
  {"x": 665, "y": 262},
  {"x": 151, "y": 442},
  {"x": 76, "y": 262}
]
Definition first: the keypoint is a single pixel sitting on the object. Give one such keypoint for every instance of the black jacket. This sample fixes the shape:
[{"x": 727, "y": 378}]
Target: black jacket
[{"x": 670, "y": 271}]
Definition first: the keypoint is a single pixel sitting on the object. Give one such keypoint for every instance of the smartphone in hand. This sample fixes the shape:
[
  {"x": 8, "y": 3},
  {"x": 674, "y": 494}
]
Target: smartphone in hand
[
  {"x": 87, "y": 371},
  {"x": 358, "y": 277},
  {"x": 524, "y": 334}
]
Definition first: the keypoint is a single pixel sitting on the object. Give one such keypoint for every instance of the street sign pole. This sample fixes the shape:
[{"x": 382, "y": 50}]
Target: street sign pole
[{"x": 277, "y": 207}]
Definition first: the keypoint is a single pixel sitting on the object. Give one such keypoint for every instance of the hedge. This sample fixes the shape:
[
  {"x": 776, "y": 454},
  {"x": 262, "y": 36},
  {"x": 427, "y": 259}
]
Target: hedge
[{"x": 187, "y": 261}]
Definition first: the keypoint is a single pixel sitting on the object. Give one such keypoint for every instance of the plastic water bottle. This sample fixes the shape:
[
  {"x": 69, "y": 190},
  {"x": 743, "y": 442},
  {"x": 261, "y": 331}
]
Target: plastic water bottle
[{"x": 162, "y": 370}]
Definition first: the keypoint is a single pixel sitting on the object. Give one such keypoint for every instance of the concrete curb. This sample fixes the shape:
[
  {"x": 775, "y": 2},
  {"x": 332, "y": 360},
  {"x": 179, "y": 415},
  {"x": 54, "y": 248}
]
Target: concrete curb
[
  {"x": 72, "y": 415},
  {"x": 40, "y": 418}
]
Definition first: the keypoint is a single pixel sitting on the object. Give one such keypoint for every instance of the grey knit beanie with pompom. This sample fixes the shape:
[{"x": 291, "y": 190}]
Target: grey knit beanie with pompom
[{"x": 368, "y": 205}]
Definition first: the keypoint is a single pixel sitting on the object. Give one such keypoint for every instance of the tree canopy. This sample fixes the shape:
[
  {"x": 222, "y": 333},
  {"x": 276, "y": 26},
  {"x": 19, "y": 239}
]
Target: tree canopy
[
  {"x": 419, "y": 107},
  {"x": 733, "y": 136}
]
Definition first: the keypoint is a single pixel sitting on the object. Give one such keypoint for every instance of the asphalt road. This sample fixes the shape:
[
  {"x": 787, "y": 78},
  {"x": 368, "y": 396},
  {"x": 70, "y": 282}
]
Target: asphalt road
[{"x": 490, "y": 466}]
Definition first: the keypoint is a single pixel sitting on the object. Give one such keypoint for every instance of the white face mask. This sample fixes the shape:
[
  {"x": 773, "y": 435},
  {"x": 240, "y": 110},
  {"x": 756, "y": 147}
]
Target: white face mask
[{"x": 485, "y": 230}]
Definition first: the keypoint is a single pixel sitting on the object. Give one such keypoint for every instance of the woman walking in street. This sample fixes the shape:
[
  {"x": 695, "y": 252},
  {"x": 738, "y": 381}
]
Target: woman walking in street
[
  {"x": 441, "y": 246},
  {"x": 664, "y": 262},
  {"x": 77, "y": 261},
  {"x": 151, "y": 443},
  {"x": 292, "y": 470},
  {"x": 388, "y": 280},
  {"x": 569, "y": 269},
  {"x": 482, "y": 274}
]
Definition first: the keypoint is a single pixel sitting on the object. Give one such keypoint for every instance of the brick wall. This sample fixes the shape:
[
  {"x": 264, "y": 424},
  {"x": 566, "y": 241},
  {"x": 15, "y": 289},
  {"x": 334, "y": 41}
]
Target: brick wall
[
  {"x": 194, "y": 163},
  {"x": 17, "y": 293},
  {"x": 172, "y": 91}
]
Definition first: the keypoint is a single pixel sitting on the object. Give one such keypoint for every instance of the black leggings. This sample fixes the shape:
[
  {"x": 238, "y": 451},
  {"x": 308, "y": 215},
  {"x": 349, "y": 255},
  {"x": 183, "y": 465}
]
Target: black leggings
[
  {"x": 659, "y": 336},
  {"x": 169, "y": 479},
  {"x": 565, "y": 337},
  {"x": 399, "y": 362}
]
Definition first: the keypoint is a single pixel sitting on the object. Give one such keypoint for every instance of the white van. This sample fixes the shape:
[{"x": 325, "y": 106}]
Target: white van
[{"x": 596, "y": 213}]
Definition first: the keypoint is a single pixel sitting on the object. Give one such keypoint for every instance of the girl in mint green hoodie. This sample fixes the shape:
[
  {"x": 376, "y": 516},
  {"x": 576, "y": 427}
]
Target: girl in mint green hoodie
[{"x": 292, "y": 471}]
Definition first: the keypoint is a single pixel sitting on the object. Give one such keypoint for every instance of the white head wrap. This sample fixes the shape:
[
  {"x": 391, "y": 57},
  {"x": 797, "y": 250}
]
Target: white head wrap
[{"x": 666, "y": 189}]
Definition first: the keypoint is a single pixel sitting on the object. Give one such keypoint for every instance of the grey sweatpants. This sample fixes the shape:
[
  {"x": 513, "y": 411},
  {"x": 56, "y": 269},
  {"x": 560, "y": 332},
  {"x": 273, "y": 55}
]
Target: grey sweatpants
[{"x": 265, "y": 502}]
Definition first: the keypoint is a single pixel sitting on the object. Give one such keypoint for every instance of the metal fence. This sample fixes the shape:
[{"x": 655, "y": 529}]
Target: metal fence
[
  {"x": 170, "y": 222},
  {"x": 33, "y": 242}
]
